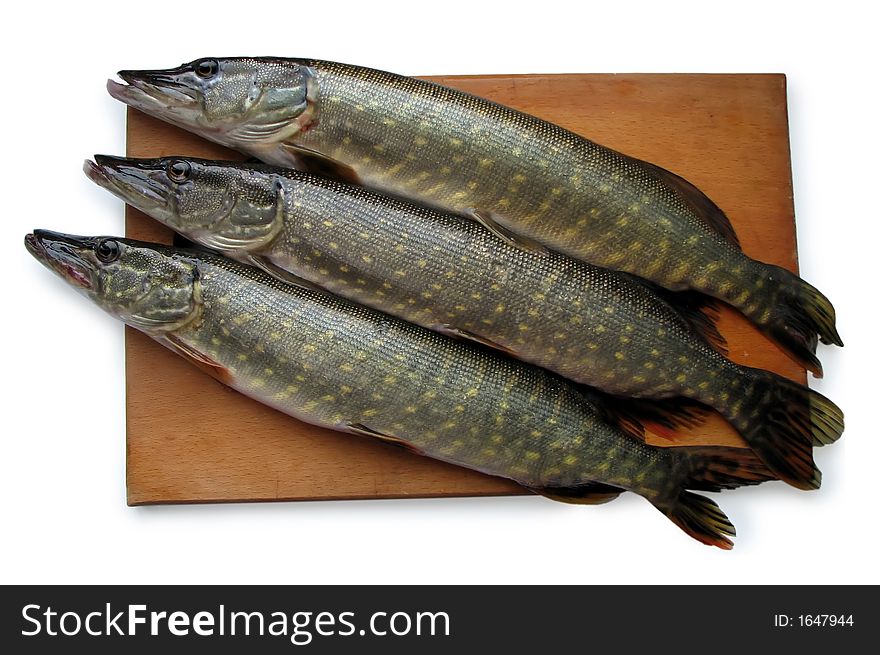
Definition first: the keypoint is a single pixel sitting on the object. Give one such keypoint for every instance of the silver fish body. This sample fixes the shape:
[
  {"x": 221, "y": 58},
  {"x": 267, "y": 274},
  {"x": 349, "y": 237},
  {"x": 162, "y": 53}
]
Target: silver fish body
[
  {"x": 539, "y": 180},
  {"x": 454, "y": 274},
  {"x": 346, "y": 367}
]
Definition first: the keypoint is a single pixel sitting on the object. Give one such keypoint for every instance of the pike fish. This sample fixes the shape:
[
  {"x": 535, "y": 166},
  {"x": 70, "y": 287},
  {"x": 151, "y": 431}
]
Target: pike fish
[
  {"x": 461, "y": 275},
  {"x": 459, "y": 151},
  {"x": 339, "y": 365}
]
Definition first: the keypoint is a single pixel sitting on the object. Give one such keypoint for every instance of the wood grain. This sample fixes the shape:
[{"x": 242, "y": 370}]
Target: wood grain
[{"x": 192, "y": 440}]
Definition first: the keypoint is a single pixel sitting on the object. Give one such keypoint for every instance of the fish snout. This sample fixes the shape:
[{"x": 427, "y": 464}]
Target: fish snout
[
  {"x": 32, "y": 244},
  {"x": 142, "y": 184},
  {"x": 145, "y": 88},
  {"x": 63, "y": 253}
]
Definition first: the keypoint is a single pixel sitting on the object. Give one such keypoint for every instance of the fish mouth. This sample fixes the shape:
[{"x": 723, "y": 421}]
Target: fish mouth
[
  {"x": 152, "y": 88},
  {"x": 136, "y": 96},
  {"x": 96, "y": 174},
  {"x": 167, "y": 95},
  {"x": 64, "y": 254},
  {"x": 139, "y": 183}
]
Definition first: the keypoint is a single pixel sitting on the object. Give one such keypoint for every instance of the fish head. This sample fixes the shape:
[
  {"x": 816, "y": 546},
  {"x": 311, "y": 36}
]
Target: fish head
[
  {"x": 230, "y": 207},
  {"x": 245, "y": 103},
  {"x": 150, "y": 287}
]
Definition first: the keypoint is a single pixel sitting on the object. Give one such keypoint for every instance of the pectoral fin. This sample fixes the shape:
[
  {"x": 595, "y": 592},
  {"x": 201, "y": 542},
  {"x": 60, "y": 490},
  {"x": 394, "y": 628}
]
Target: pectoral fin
[
  {"x": 279, "y": 273},
  {"x": 486, "y": 219},
  {"x": 311, "y": 161},
  {"x": 198, "y": 359},
  {"x": 364, "y": 431},
  {"x": 591, "y": 493},
  {"x": 459, "y": 333}
]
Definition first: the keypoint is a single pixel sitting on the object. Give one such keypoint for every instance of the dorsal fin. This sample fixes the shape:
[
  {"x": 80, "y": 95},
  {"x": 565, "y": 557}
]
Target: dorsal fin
[
  {"x": 707, "y": 211},
  {"x": 700, "y": 312},
  {"x": 696, "y": 309}
]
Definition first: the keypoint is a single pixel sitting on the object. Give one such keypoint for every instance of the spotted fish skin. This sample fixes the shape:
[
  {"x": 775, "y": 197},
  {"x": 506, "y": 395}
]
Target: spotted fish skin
[
  {"x": 446, "y": 271},
  {"x": 449, "y": 272},
  {"x": 550, "y": 184},
  {"x": 335, "y": 364},
  {"x": 437, "y": 269},
  {"x": 346, "y": 367},
  {"x": 447, "y": 147}
]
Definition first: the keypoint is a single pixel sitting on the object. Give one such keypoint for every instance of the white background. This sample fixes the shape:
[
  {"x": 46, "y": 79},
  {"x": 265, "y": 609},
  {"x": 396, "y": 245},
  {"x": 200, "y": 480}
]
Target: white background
[{"x": 62, "y": 472}]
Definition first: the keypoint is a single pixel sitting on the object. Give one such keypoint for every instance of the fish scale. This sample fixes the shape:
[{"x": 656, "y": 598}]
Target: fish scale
[
  {"x": 544, "y": 182},
  {"x": 453, "y": 149},
  {"x": 439, "y": 269},
  {"x": 539, "y": 204},
  {"x": 462, "y": 275},
  {"x": 339, "y": 341},
  {"x": 323, "y": 359}
]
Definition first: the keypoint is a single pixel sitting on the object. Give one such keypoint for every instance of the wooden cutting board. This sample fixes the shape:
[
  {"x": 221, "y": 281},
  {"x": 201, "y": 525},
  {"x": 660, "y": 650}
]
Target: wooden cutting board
[{"x": 192, "y": 440}]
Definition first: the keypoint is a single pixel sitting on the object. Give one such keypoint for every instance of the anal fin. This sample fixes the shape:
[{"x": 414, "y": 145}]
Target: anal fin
[
  {"x": 701, "y": 518},
  {"x": 670, "y": 413},
  {"x": 699, "y": 311},
  {"x": 590, "y": 493},
  {"x": 465, "y": 335}
]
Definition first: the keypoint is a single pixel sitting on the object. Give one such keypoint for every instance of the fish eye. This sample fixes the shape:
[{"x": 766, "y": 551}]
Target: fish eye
[
  {"x": 107, "y": 250},
  {"x": 179, "y": 170},
  {"x": 207, "y": 68}
]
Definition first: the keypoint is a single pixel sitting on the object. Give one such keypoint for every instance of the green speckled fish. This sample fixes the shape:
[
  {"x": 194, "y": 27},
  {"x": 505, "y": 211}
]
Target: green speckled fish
[
  {"x": 453, "y": 149},
  {"x": 342, "y": 366},
  {"x": 461, "y": 275}
]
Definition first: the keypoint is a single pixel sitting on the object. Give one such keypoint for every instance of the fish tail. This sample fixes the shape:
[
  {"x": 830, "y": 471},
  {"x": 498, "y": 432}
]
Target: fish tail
[
  {"x": 699, "y": 517},
  {"x": 713, "y": 468},
  {"x": 707, "y": 468},
  {"x": 796, "y": 315},
  {"x": 782, "y": 421}
]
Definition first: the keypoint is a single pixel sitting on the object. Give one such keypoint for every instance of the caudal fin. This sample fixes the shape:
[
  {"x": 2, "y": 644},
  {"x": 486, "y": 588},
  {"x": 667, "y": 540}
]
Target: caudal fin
[
  {"x": 782, "y": 421},
  {"x": 701, "y": 518},
  {"x": 796, "y": 315},
  {"x": 709, "y": 468}
]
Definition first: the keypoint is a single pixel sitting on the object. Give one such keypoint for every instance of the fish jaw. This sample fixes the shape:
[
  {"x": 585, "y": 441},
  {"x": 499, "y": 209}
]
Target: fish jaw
[
  {"x": 142, "y": 187},
  {"x": 66, "y": 255},
  {"x": 159, "y": 95}
]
